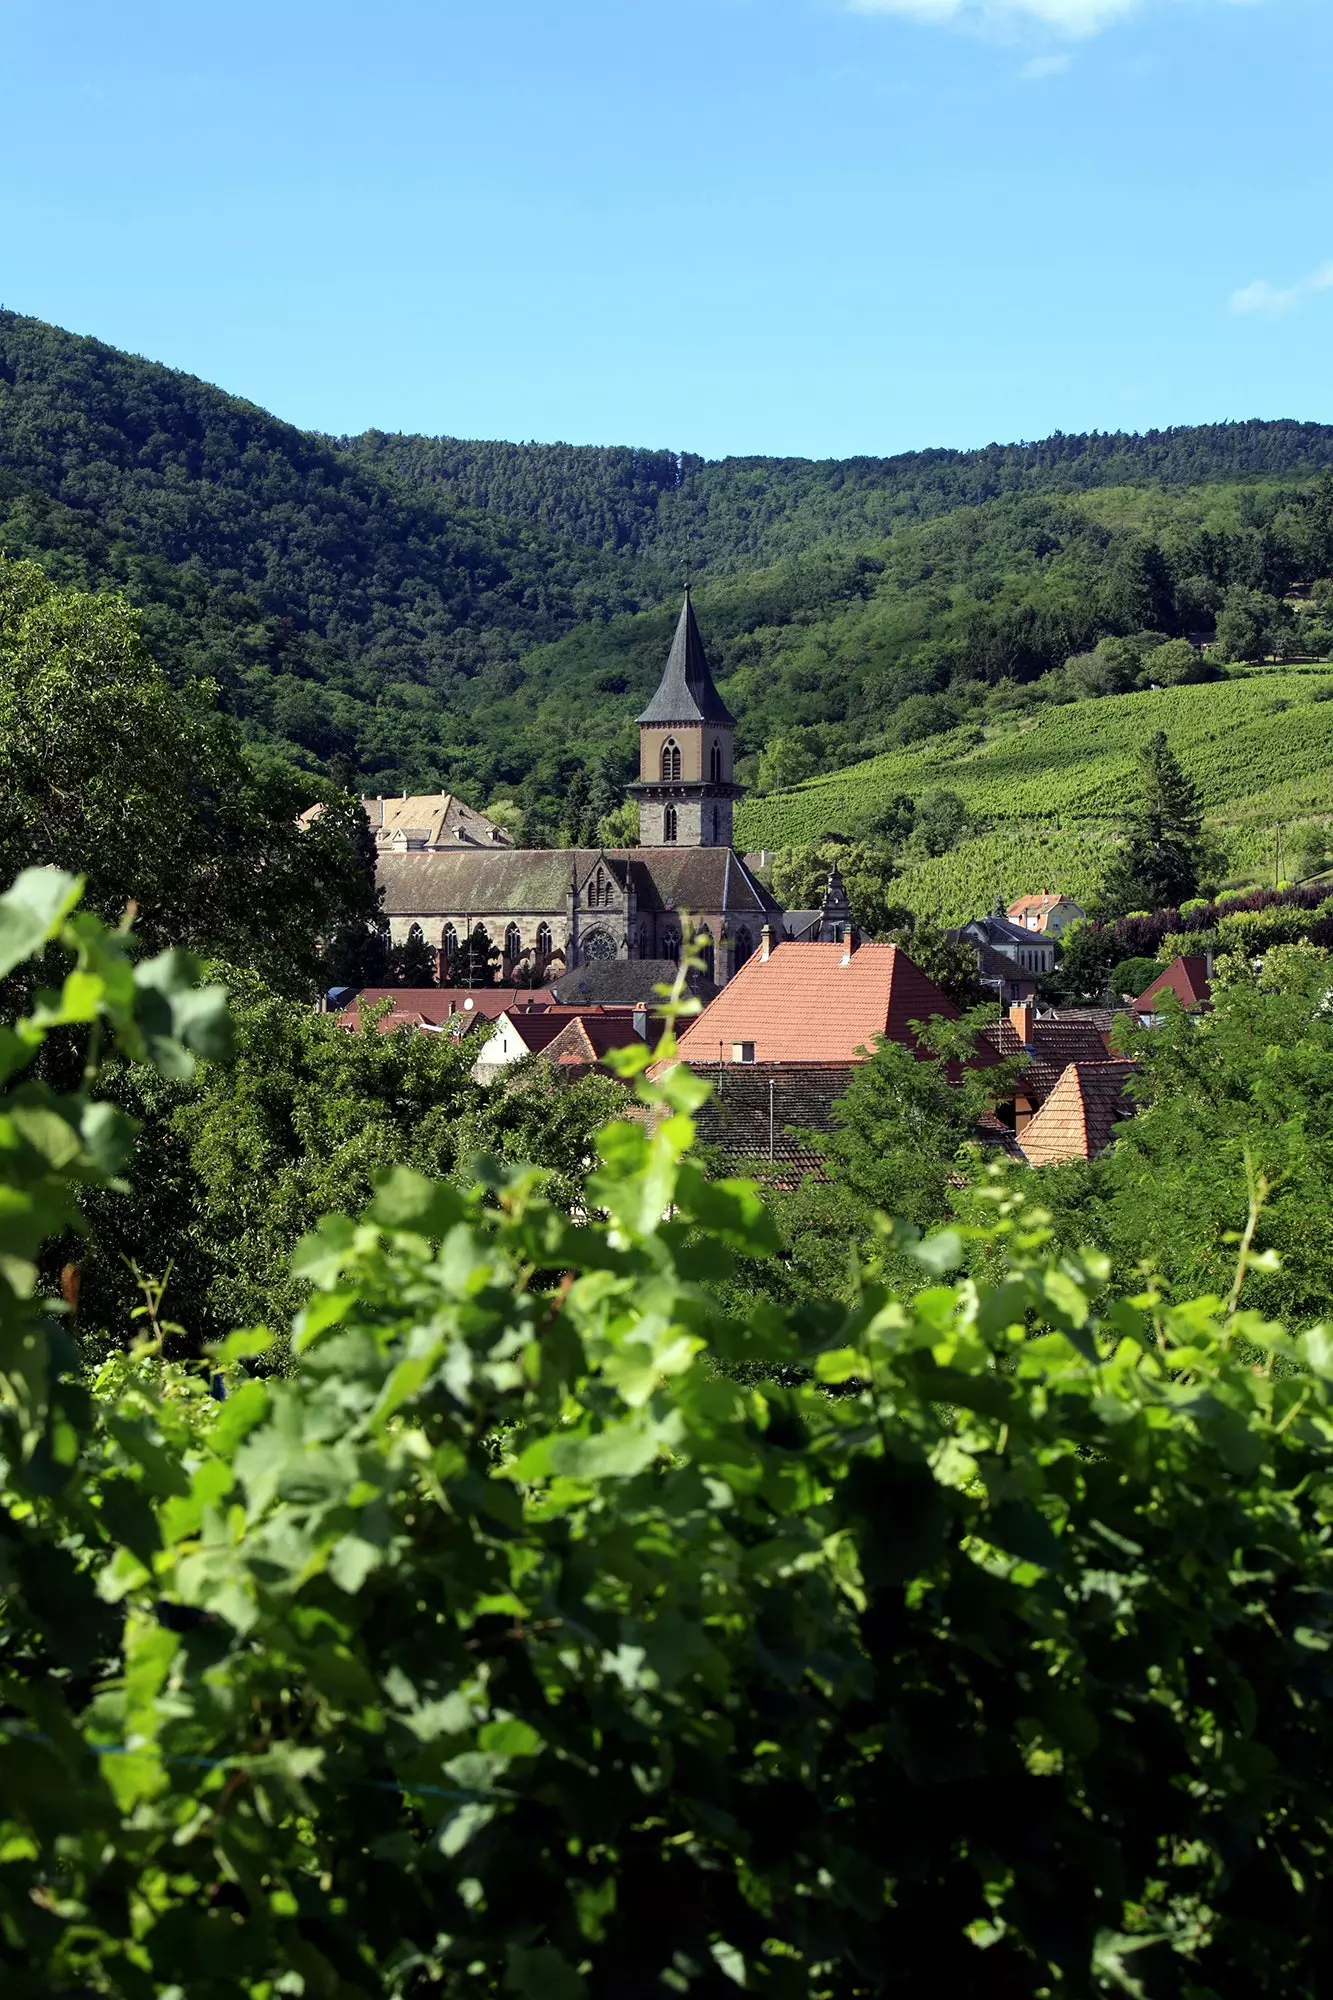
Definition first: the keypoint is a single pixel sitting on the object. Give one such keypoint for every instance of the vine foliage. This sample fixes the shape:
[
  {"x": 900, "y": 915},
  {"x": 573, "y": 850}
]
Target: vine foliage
[{"x": 520, "y": 1640}]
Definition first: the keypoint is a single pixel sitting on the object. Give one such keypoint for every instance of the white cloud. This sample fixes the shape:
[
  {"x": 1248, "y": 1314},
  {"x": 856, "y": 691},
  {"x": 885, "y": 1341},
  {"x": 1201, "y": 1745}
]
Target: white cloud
[
  {"x": 1276, "y": 301},
  {"x": 1043, "y": 66},
  {"x": 1066, "y": 17},
  {"x": 1072, "y": 18}
]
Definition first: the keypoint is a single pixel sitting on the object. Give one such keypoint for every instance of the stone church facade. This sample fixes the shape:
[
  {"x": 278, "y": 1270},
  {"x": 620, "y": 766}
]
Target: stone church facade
[{"x": 552, "y": 909}]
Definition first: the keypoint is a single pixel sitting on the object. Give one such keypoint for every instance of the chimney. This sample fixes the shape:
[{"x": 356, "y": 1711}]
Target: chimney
[
  {"x": 640, "y": 1020},
  {"x": 766, "y": 942},
  {"x": 1021, "y": 1019}
]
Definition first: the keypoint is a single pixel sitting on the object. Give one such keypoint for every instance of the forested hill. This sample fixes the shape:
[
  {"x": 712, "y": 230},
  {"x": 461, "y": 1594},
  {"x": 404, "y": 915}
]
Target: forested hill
[
  {"x": 413, "y": 612},
  {"x": 738, "y": 512},
  {"x": 311, "y": 588}
]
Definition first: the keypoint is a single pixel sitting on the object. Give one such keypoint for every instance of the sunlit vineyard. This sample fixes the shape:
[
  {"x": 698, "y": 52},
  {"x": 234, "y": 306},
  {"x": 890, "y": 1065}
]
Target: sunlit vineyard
[{"x": 1049, "y": 790}]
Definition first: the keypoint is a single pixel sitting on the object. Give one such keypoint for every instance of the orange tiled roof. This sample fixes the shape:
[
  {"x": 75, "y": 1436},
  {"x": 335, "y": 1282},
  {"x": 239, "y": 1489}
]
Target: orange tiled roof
[
  {"x": 1079, "y": 1116},
  {"x": 812, "y": 1003},
  {"x": 1187, "y": 978},
  {"x": 587, "y": 1037}
]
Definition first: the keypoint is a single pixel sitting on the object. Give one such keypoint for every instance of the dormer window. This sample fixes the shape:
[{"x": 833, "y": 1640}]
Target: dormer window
[{"x": 671, "y": 763}]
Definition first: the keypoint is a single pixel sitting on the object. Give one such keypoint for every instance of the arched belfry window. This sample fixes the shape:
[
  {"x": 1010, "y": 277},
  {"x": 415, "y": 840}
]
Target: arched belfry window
[
  {"x": 671, "y": 762},
  {"x": 669, "y": 823},
  {"x": 715, "y": 765}
]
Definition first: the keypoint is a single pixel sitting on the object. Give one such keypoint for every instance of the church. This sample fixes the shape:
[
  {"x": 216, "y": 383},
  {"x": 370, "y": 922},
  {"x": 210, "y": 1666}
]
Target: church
[{"x": 550, "y": 910}]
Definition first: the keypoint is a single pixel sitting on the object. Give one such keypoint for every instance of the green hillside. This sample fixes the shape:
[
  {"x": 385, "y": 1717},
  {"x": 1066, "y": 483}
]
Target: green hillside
[
  {"x": 409, "y": 613},
  {"x": 1047, "y": 789}
]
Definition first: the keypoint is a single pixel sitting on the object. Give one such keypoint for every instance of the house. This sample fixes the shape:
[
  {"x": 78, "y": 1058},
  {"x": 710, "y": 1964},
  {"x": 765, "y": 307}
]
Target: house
[
  {"x": 424, "y": 821},
  {"x": 1047, "y": 1044},
  {"x": 1190, "y": 979},
  {"x": 1048, "y": 912},
  {"x": 453, "y": 1009},
  {"x": 1010, "y": 959},
  {"x": 1078, "y": 1119},
  {"x": 783, "y": 1039},
  {"x": 587, "y": 1038},
  {"x": 559, "y": 1034}
]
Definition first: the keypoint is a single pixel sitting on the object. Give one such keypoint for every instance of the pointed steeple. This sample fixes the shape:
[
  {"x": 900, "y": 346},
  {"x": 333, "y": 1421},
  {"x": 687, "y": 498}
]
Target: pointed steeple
[{"x": 686, "y": 692}]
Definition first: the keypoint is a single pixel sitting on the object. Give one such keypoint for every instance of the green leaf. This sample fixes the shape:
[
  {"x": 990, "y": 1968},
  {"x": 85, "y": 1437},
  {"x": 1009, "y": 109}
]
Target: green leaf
[
  {"x": 405, "y": 1199},
  {"x": 542, "y": 1974},
  {"x": 32, "y": 912}
]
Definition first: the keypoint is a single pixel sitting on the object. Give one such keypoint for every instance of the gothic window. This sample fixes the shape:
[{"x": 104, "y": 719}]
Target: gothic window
[
  {"x": 715, "y": 771},
  {"x": 669, "y": 822},
  {"x": 717, "y": 826},
  {"x": 449, "y": 942},
  {"x": 744, "y": 946},
  {"x": 705, "y": 943},
  {"x": 543, "y": 943},
  {"x": 671, "y": 761},
  {"x": 643, "y": 940},
  {"x": 598, "y": 945},
  {"x": 670, "y": 946},
  {"x": 513, "y": 944}
]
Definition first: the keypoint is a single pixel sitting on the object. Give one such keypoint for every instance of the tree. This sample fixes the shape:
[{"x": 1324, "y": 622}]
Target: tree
[
  {"x": 1132, "y": 976},
  {"x": 414, "y": 963},
  {"x": 1087, "y": 952},
  {"x": 150, "y": 795},
  {"x": 1250, "y": 625},
  {"x": 1161, "y": 856},
  {"x": 941, "y": 821},
  {"x": 477, "y": 960},
  {"x": 620, "y": 827},
  {"x": 801, "y": 874},
  {"x": 788, "y": 760},
  {"x": 1177, "y": 664},
  {"x": 906, "y": 1116},
  {"x": 951, "y": 964}
]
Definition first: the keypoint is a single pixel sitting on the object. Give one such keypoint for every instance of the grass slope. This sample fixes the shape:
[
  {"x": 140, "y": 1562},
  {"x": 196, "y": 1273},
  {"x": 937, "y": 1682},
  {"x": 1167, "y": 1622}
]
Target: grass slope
[{"x": 1260, "y": 750}]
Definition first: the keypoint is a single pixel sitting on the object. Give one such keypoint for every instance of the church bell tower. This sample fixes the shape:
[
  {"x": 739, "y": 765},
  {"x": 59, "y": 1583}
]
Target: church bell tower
[{"x": 686, "y": 789}]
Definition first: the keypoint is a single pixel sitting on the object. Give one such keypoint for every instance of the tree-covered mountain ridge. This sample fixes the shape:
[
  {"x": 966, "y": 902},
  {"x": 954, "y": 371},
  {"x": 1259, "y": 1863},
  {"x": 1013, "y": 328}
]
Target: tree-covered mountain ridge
[
  {"x": 413, "y": 613},
  {"x": 742, "y": 511}
]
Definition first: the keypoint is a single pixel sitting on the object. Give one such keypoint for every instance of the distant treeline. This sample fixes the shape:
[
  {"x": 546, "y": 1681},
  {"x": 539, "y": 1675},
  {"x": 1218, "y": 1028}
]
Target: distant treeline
[{"x": 739, "y": 512}]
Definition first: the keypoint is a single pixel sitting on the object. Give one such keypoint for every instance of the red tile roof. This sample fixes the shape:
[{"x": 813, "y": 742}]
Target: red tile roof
[
  {"x": 587, "y": 1038},
  {"x": 433, "y": 1006},
  {"x": 1054, "y": 1045},
  {"x": 815, "y": 1003},
  {"x": 1187, "y": 978},
  {"x": 1079, "y": 1116}
]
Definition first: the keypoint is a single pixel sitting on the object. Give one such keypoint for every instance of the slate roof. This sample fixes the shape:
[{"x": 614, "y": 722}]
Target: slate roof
[
  {"x": 1187, "y": 978},
  {"x": 686, "y": 692},
  {"x": 803, "y": 1004},
  {"x": 996, "y": 932},
  {"x": 514, "y": 881},
  {"x": 1078, "y": 1118},
  {"x": 626, "y": 982}
]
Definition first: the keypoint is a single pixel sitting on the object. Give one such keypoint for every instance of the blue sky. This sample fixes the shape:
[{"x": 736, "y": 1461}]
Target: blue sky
[{"x": 760, "y": 226}]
